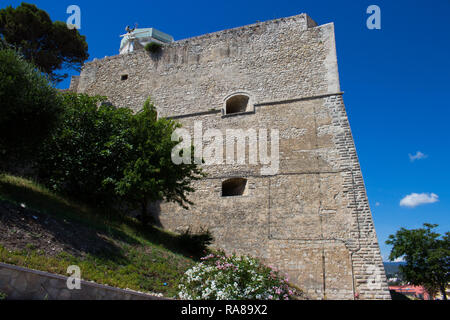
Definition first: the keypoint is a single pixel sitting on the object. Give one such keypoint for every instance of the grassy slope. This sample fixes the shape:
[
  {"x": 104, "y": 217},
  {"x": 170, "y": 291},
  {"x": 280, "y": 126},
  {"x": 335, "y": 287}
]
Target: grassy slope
[{"x": 143, "y": 259}]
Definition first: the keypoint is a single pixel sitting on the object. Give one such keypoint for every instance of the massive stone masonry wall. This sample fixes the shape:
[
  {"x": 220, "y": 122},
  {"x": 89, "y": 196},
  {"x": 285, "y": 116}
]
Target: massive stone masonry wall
[
  {"x": 368, "y": 268},
  {"x": 312, "y": 218},
  {"x": 195, "y": 75}
]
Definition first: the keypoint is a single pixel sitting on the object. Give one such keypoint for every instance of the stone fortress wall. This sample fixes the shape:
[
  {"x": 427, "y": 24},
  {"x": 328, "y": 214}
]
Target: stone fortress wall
[{"x": 311, "y": 219}]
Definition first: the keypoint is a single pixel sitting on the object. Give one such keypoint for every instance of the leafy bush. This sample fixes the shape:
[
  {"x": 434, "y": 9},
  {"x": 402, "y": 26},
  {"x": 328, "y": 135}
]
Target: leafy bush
[
  {"x": 89, "y": 146},
  {"x": 3, "y": 296},
  {"x": 223, "y": 277},
  {"x": 150, "y": 175},
  {"x": 153, "y": 47},
  {"x": 29, "y": 107},
  {"x": 101, "y": 154}
]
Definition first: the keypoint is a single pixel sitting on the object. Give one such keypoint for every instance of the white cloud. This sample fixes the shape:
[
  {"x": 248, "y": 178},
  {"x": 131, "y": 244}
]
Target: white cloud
[
  {"x": 419, "y": 155},
  {"x": 416, "y": 199},
  {"x": 377, "y": 204}
]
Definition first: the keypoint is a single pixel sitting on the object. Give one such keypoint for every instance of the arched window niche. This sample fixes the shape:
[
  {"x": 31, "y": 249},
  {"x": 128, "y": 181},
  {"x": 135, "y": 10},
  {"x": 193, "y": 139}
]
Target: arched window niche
[
  {"x": 234, "y": 187},
  {"x": 237, "y": 103}
]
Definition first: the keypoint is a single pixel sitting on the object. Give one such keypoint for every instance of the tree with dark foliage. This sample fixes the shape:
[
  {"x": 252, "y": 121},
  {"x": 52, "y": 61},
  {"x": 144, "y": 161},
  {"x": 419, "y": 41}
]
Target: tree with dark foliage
[
  {"x": 102, "y": 154},
  {"x": 88, "y": 148},
  {"x": 29, "y": 109},
  {"x": 150, "y": 175},
  {"x": 427, "y": 257},
  {"x": 50, "y": 46}
]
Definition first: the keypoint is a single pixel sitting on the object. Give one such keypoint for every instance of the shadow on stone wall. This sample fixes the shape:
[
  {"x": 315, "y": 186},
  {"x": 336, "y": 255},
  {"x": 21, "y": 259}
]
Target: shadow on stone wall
[{"x": 155, "y": 212}]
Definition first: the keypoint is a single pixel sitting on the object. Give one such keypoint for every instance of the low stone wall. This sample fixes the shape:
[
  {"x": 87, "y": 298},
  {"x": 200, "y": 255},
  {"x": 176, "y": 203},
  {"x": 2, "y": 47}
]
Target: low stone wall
[{"x": 25, "y": 284}]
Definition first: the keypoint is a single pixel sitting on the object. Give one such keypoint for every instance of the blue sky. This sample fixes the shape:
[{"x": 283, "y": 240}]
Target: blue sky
[{"x": 396, "y": 82}]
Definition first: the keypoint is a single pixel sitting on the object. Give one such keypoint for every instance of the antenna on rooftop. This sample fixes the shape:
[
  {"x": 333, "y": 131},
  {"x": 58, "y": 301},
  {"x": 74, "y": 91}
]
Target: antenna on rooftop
[{"x": 128, "y": 30}]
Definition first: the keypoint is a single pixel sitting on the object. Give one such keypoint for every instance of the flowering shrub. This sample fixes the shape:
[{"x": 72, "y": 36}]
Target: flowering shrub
[{"x": 223, "y": 277}]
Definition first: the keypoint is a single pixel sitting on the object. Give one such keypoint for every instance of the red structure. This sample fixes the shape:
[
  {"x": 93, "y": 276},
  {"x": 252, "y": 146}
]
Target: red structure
[{"x": 412, "y": 291}]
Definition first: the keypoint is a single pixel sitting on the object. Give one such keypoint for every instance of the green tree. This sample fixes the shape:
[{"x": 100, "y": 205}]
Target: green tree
[
  {"x": 150, "y": 174},
  {"x": 88, "y": 148},
  {"x": 3, "y": 44},
  {"x": 427, "y": 256},
  {"x": 48, "y": 45},
  {"x": 29, "y": 108}
]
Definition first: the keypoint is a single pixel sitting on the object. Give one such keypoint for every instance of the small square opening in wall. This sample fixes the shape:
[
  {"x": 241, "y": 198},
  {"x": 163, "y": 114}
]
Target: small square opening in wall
[
  {"x": 234, "y": 187},
  {"x": 124, "y": 77}
]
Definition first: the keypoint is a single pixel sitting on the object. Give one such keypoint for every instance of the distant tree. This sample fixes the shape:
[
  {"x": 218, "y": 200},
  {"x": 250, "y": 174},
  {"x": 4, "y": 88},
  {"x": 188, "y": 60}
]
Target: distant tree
[
  {"x": 150, "y": 174},
  {"x": 29, "y": 108},
  {"x": 88, "y": 148},
  {"x": 48, "y": 45},
  {"x": 427, "y": 257}
]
